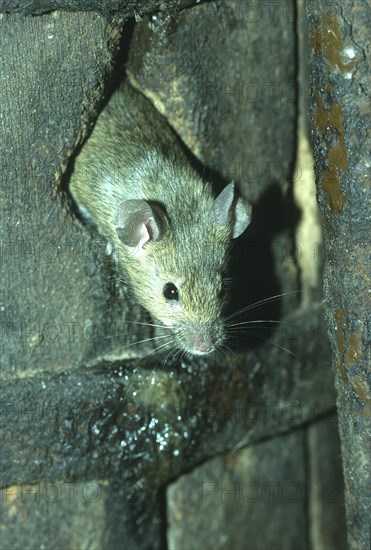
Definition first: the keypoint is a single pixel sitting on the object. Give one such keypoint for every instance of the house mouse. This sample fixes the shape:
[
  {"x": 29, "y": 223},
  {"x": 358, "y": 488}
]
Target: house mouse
[{"x": 167, "y": 231}]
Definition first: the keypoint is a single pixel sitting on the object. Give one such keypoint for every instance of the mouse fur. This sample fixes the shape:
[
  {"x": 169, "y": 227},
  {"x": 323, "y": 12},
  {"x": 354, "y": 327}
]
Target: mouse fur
[{"x": 134, "y": 181}]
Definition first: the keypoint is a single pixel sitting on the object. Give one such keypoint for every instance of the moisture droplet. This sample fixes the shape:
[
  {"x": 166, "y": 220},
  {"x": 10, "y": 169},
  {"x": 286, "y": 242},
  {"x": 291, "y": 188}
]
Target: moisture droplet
[{"x": 95, "y": 429}]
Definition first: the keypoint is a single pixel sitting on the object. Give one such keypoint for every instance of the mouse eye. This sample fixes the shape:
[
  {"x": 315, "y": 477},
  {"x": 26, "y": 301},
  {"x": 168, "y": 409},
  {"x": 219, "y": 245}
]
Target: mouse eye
[{"x": 170, "y": 292}]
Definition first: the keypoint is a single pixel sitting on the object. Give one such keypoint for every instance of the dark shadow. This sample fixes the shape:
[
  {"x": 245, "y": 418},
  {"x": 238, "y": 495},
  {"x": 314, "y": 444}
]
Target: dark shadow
[
  {"x": 119, "y": 68},
  {"x": 252, "y": 267}
]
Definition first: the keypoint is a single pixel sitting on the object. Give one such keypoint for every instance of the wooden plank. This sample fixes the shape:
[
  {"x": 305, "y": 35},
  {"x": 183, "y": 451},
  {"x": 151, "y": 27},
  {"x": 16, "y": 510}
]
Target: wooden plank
[{"x": 340, "y": 83}]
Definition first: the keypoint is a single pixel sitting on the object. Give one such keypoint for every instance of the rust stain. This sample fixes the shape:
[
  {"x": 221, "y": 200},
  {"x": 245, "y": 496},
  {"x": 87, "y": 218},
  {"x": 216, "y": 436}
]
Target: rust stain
[
  {"x": 354, "y": 352},
  {"x": 326, "y": 39},
  {"x": 352, "y": 345},
  {"x": 331, "y": 118},
  {"x": 360, "y": 387},
  {"x": 331, "y": 184},
  {"x": 337, "y": 155}
]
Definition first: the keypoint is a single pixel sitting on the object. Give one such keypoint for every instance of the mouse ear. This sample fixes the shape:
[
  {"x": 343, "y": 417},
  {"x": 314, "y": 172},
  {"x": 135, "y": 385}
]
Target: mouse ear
[
  {"x": 225, "y": 205},
  {"x": 242, "y": 216},
  {"x": 136, "y": 224}
]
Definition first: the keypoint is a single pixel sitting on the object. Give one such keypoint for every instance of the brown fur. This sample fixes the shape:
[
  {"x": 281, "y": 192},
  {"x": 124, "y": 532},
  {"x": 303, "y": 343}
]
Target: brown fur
[{"x": 132, "y": 154}]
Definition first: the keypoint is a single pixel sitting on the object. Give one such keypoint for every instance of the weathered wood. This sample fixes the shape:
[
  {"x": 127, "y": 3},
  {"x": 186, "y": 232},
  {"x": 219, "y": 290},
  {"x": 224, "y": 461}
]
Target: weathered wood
[
  {"x": 57, "y": 307},
  {"x": 340, "y": 82},
  {"x": 247, "y": 498},
  {"x": 217, "y": 95},
  {"x": 71, "y": 411},
  {"x": 326, "y": 513},
  {"x": 122, "y": 8},
  {"x": 95, "y": 514},
  {"x": 144, "y": 428},
  {"x": 98, "y": 422}
]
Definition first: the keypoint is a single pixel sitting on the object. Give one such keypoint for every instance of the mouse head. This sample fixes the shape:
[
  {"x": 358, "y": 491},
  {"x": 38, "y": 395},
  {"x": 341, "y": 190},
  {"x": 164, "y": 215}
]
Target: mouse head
[{"x": 176, "y": 262}]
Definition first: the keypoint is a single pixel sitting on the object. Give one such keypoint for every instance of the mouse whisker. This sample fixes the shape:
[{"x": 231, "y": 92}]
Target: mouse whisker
[
  {"x": 156, "y": 350},
  {"x": 151, "y": 352},
  {"x": 181, "y": 353},
  {"x": 142, "y": 358},
  {"x": 146, "y": 324},
  {"x": 247, "y": 348},
  {"x": 170, "y": 352},
  {"x": 118, "y": 334},
  {"x": 226, "y": 348},
  {"x": 258, "y": 338},
  {"x": 260, "y": 303},
  {"x": 253, "y": 322},
  {"x": 153, "y": 339}
]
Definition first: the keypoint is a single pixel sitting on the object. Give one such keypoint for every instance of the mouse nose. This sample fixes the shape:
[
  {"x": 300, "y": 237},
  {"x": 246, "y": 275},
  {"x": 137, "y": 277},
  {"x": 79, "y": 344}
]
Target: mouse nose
[
  {"x": 201, "y": 339},
  {"x": 203, "y": 345}
]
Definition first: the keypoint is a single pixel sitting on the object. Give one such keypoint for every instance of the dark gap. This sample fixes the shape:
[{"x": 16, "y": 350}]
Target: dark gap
[{"x": 252, "y": 267}]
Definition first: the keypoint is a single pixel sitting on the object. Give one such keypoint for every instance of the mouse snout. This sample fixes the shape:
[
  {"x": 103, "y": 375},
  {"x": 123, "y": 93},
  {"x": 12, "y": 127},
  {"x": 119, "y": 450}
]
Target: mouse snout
[{"x": 202, "y": 339}]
